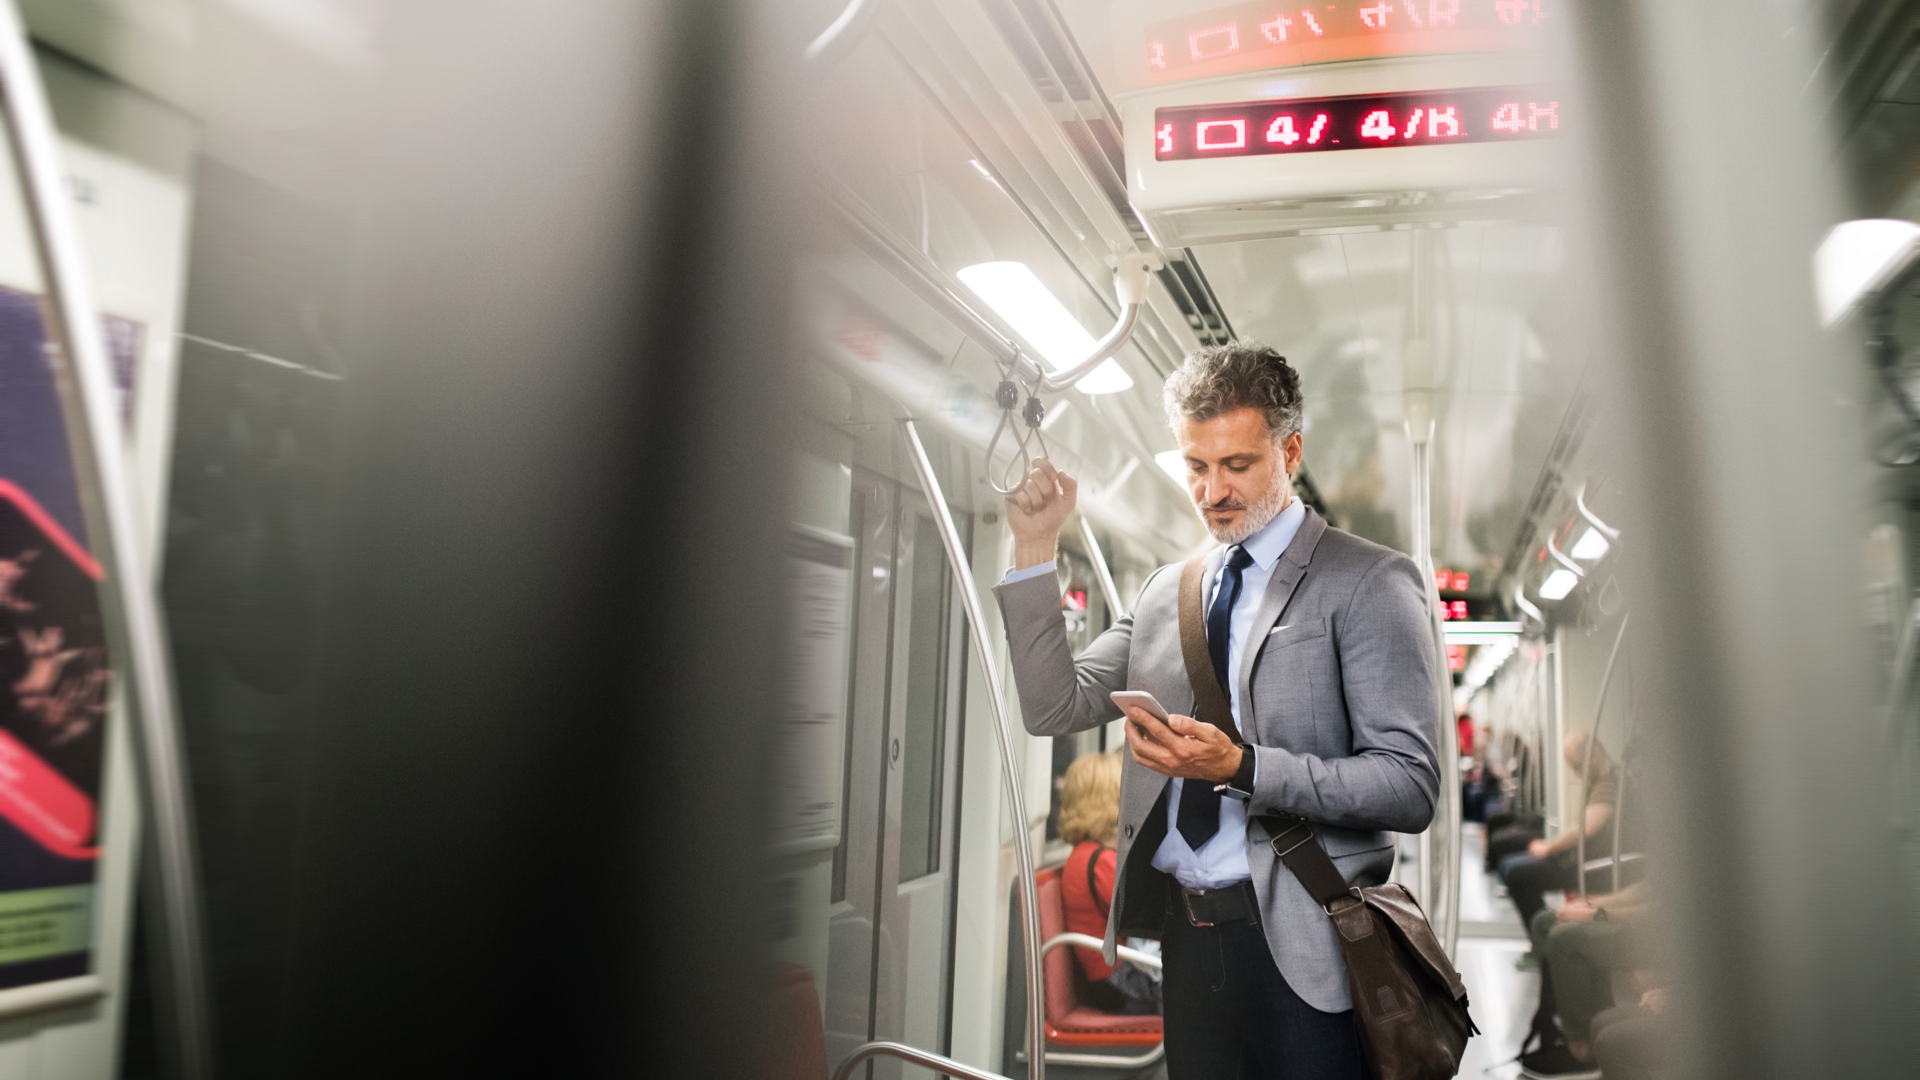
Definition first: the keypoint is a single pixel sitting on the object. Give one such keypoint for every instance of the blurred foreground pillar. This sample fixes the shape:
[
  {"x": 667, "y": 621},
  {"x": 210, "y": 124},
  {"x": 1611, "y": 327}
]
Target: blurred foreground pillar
[{"x": 1790, "y": 938}]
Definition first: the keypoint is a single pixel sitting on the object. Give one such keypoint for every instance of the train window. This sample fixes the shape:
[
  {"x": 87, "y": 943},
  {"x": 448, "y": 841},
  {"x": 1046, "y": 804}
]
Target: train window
[{"x": 924, "y": 727}]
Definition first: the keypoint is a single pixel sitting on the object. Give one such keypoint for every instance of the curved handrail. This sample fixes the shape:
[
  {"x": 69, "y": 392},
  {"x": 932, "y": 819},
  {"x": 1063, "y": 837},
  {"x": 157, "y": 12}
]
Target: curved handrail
[
  {"x": 1561, "y": 558},
  {"x": 946, "y": 1066},
  {"x": 1520, "y": 598},
  {"x": 1091, "y": 942},
  {"x": 1103, "y": 350},
  {"x": 843, "y": 33},
  {"x": 1586, "y": 761},
  {"x": 1580, "y": 504},
  {"x": 1016, "y": 802}
]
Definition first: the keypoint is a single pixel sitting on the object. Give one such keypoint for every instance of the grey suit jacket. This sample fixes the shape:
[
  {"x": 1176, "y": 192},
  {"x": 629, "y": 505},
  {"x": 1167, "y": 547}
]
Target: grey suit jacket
[{"x": 1337, "y": 700}]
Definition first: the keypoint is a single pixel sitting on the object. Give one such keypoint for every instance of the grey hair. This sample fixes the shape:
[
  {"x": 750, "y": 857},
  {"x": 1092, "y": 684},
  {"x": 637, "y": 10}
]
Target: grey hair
[{"x": 1244, "y": 374}]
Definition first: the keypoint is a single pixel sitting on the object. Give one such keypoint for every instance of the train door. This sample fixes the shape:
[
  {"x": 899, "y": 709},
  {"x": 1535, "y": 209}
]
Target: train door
[{"x": 890, "y": 940}]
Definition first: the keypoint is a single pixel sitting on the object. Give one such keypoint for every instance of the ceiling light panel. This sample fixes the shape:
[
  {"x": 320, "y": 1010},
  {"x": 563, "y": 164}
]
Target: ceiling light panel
[{"x": 1015, "y": 294}]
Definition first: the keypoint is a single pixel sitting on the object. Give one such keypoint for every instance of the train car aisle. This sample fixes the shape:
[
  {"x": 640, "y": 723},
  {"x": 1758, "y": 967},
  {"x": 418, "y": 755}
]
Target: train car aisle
[{"x": 1491, "y": 941}]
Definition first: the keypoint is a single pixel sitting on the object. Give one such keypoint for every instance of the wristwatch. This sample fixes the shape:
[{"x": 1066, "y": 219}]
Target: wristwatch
[
  {"x": 1599, "y": 914},
  {"x": 1243, "y": 776}
]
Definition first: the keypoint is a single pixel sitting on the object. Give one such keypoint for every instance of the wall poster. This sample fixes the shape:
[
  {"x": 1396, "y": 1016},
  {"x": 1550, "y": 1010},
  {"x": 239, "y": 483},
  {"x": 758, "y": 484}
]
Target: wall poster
[
  {"x": 820, "y": 577},
  {"x": 54, "y": 670}
]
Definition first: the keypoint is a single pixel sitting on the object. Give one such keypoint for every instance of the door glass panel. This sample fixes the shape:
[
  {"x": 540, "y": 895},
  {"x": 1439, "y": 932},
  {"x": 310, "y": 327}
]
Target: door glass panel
[
  {"x": 924, "y": 730},
  {"x": 863, "y": 553}
]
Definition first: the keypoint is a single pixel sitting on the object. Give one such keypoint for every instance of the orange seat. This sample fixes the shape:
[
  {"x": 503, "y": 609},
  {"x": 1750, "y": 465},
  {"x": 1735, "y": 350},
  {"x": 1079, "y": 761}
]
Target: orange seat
[{"x": 1070, "y": 1021}]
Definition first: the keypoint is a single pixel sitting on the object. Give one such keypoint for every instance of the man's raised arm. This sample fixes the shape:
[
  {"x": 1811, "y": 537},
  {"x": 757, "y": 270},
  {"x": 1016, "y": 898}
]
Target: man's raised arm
[{"x": 1058, "y": 694}]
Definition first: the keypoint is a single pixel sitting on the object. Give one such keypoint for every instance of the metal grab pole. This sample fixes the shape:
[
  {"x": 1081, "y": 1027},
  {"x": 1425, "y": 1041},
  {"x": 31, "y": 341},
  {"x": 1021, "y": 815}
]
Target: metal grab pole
[
  {"x": 1440, "y": 843},
  {"x": 1016, "y": 802},
  {"x": 1101, "y": 570},
  {"x": 1586, "y": 760},
  {"x": 136, "y": 636}
]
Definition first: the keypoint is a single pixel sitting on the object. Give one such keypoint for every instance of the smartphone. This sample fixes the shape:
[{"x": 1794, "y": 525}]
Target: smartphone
[{"x": 1143, "y": 700}]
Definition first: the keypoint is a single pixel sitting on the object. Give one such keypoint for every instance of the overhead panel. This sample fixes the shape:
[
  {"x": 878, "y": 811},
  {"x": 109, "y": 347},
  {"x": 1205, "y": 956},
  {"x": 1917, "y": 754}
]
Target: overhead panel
[{"x": 1250, "y": 121}]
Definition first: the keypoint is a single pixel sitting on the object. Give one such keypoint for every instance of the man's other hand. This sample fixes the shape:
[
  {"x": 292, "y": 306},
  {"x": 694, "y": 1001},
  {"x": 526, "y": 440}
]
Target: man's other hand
[
  {"x": 1183, "y": 747},
  {"x": 1037, "y": 510}
]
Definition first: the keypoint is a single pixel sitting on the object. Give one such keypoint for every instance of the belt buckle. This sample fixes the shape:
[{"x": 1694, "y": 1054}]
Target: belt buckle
[{"x": 1186, "y": 897}]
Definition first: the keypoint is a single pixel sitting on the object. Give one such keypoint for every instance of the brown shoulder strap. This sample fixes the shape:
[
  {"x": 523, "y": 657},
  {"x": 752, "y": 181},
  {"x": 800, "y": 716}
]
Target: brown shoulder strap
[
  {"x": 1209, "y": 700},
  {"x": 1295, "y": 845}
]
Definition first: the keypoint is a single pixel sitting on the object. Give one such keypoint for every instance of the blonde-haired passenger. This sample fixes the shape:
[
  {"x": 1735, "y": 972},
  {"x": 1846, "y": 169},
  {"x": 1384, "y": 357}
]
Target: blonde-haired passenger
[{"x": 1090, "y": 821}]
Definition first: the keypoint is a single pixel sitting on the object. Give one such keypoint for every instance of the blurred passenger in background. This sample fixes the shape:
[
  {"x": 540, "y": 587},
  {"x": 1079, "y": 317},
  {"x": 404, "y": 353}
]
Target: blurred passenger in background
[
  {"x": 1630, "y": 1041},
  {"x": 1551, "y": 864},
  {"x": 1588, "y": 943},
  {"x": 1090, "y": 821}
]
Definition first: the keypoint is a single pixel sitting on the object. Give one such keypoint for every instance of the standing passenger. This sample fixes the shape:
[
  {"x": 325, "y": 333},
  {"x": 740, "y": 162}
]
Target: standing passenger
[{"x": 1323, "y": 644}]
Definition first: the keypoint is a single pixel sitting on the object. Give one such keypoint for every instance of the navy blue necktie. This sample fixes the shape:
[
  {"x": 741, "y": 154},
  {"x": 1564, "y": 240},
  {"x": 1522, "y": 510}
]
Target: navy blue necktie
[{"x": 1199, "y": 815}]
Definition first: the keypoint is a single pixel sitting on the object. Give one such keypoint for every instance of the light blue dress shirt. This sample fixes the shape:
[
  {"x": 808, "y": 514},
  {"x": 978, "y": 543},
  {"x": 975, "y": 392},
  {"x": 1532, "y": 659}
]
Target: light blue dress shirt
[{"x": 1222, "y": 860}]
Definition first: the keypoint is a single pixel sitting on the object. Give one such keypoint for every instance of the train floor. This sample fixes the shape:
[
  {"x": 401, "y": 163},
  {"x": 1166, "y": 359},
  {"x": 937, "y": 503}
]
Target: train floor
[{"x": 1492, "y": 941}]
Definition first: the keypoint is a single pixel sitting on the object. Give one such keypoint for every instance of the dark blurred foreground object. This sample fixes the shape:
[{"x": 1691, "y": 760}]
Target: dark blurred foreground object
[{"x": 558, "y": 502}]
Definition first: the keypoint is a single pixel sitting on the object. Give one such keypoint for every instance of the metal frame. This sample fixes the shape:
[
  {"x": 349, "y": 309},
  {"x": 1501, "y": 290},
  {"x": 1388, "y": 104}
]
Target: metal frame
[
  {"x": 1091, "y": 942},
  {"x": 1586, "y": 761},
  {"x": 1068, "y": 1057},
  {"x": 946, "y": 1066},
  {"x": 1101, "y": 570},
  {"x": 962, "y": 569},
  {"x": 135, "y": 633}
]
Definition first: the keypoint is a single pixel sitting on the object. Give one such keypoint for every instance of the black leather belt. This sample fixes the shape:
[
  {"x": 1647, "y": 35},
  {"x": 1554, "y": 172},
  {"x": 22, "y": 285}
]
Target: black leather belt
[{"x": 1215, "y": 907}]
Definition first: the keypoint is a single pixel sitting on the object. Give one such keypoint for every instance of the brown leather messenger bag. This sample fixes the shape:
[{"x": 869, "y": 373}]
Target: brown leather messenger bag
[{"x": 1410, "y": 1001}]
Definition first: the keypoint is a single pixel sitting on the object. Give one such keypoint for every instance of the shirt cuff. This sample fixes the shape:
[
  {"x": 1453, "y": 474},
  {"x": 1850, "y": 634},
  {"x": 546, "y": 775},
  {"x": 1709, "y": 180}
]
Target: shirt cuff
[{"x": 1030, "y": 572}]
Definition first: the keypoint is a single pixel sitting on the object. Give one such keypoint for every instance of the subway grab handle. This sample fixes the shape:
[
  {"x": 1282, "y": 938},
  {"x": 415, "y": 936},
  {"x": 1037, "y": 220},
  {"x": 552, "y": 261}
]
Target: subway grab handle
[
  {"x": 1009, "y": 765},
  {"x": 1130, "y": 285},
  {"x": 945, "y": 1066}
]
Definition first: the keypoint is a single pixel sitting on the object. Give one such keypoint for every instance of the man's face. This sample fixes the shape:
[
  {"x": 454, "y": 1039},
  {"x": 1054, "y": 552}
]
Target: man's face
[{"x": 1238, "y": 477}]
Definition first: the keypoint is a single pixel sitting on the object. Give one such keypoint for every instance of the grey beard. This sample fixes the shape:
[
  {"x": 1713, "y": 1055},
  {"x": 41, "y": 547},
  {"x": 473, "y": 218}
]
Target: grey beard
[{"x": 1258, "y": 516}]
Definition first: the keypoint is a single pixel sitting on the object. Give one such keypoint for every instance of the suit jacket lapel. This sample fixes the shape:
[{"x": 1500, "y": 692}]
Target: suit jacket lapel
[{"x": 1293, "y": 565}]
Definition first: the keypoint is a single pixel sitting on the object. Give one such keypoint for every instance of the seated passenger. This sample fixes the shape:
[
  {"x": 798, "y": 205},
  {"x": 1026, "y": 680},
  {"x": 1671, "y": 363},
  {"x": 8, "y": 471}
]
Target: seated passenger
[
  {"x": 1550, "y": 864},
  {"x": 1090, "y": 820},
  {"x": 1629, "y": 1040},
  {"x": 1586, "y": 943}
]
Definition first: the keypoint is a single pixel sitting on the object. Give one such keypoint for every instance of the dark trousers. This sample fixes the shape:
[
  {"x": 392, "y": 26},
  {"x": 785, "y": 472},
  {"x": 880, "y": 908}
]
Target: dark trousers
[
  {"x": 1230, "y": 1014},
  {"x": 1507, "y": 839},
  {"x": 1529, "y": 878},
  {"x": 1584, "y": 958}
]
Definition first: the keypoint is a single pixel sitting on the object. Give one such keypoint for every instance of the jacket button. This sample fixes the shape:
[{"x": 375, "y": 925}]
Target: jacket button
[{"x": 1129, "y": 832}]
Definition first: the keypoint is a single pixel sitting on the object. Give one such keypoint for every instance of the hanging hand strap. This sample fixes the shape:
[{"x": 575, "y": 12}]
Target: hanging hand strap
[{"x": 1209, "y": 699}]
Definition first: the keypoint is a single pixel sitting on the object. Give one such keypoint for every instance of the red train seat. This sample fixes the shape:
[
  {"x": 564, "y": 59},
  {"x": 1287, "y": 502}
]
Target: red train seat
[{"x": 1070, "y": 1021}]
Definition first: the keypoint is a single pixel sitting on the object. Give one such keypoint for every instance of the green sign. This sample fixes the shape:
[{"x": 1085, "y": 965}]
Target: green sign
[{"x": 38, "y": 923}]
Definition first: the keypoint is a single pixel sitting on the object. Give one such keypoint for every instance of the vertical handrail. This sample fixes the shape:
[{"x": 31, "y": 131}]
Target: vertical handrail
[
  {"x": 136, "y": 637},
  {"x": 1016, "y": 802},
  {"x": 1440, "y": 843},
  {"x": 1586, "y": 760},
  {"x": 1101, "y": 570}
]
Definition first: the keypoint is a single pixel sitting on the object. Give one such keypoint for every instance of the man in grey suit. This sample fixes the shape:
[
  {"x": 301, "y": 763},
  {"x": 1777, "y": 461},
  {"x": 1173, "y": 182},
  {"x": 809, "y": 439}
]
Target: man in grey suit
[{"x": 1324, "y": 645}]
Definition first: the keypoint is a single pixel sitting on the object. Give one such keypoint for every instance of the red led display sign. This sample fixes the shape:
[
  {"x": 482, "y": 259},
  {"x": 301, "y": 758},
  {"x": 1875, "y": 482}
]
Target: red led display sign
[
  {"x": 1248, "y": 37},
  {"x": 1355, "y": 122}
]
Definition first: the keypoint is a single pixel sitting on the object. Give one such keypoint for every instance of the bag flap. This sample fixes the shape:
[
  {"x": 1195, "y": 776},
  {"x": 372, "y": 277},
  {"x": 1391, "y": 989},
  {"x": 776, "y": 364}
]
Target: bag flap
[{"x": 1403, "y": 913}]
